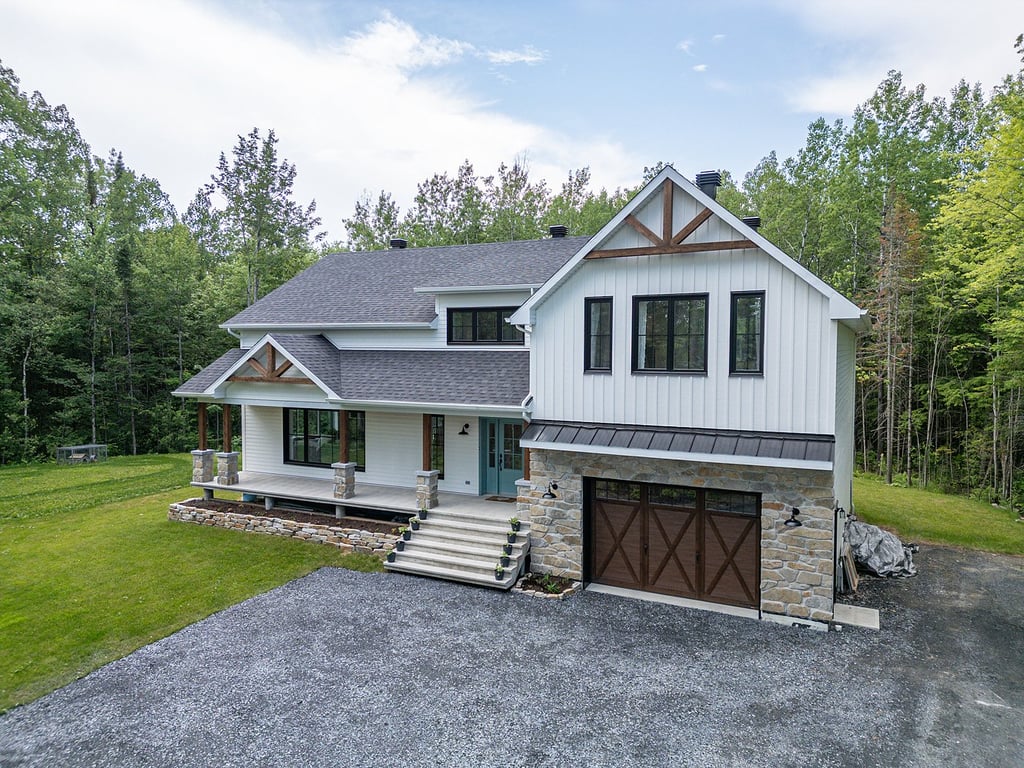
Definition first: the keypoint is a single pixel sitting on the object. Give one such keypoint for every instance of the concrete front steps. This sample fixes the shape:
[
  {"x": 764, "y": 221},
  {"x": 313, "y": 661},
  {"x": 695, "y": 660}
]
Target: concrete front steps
[{"x": 462, "y": 546}]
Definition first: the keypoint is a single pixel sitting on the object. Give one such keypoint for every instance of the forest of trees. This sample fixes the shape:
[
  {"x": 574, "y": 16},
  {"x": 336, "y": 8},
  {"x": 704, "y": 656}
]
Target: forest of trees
[{"x": 109, "y": 297}]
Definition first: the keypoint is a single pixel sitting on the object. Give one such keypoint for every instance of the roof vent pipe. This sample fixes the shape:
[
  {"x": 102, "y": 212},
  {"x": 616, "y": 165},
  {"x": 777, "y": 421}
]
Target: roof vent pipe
[
  {"x": 558, "y": 230},
  {"x": 752, "y": 221},
  {"x": 399, "y": 242},
  {"x": 709, "y": 182}
]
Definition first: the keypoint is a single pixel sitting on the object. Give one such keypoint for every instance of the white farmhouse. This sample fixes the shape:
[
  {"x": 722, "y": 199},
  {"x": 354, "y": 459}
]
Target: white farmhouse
[{"x": 668, "y": 403}]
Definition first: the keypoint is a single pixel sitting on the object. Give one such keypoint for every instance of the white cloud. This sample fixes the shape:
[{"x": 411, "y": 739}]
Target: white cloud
[
  {"x": 717, "y": 38},
  {"x": 686, "y": 46},
  {"x": 700, "y": 67},
  {"x": 528, "y": 55},
  {"x": 937, "y": 44},
  {"x": 172, "y": 84}
]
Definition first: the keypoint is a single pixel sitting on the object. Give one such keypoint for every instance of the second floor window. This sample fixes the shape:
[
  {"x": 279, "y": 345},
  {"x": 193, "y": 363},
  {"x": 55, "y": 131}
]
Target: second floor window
[
  {"x": 746, "y": 341},
  {"x": 598, "y": 332},
  {"x": 483, "y": 326},
  {"x": 670, "y": 333}
]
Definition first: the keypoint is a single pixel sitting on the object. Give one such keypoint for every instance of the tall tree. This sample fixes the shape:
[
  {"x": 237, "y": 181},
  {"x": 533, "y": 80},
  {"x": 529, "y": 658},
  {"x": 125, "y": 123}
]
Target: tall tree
[{"x": 266, "y": 233}]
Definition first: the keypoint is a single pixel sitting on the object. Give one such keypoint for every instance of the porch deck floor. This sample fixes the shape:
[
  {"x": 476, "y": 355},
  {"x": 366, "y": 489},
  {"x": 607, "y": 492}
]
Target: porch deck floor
[{"x": 368, "y": 496}]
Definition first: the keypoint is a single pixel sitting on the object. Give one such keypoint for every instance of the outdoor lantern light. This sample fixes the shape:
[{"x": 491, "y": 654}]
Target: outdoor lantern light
[
  {"x": 792, "y": 522},
  {"x": 550, "y": 492},
  {"x": 464, "y": 430}
]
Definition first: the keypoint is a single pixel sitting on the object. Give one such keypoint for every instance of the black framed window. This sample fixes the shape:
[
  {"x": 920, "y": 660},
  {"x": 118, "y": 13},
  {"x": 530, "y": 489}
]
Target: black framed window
[
  {"x": 670, "y": 333},
  {"x": 437, "y": 445},
  {"x": 311, "y": 437},
  {"x": 485, "y": 325},
  {"x": 746, "y": 337},
  {"x": 355, "y": 434},
  {"x": 598, "y": 331}
]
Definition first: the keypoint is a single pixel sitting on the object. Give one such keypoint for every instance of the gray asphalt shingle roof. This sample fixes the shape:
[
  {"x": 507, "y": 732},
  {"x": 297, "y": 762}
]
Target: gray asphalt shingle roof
[
  {"x": 441, "y": 376},
  {"x": 677, "y": 440},
  {"x": 202, "y": 380},
  {"x": 463, "y": 377},
  {"x": 377, "y": 286}
]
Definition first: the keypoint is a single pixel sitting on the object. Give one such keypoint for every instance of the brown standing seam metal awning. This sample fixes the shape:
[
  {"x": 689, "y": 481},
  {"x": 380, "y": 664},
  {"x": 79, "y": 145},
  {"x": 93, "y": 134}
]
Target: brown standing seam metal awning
[{"x": 765, "y": 445}]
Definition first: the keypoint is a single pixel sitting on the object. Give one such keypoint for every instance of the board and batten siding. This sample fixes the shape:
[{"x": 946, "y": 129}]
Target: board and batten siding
[{"x": 795, "y": 394}]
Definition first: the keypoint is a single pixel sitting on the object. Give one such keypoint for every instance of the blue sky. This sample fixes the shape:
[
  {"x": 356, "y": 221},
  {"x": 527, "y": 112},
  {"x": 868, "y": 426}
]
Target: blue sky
[{"x": 367, "y": 96}]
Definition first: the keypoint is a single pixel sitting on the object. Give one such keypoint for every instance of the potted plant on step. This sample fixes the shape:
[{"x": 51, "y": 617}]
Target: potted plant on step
[
  {"x": 423, "y": 511},
  {"x": 514, "y": 522},
  {"x": 512, "y": 537},
  {"x": 400, "y": 545},
  {"x": 499, "y": 572},
  {"x": 391, "y": 555},
  {"x": 406, "y": 534},
  {"x": 506, "y": 549},
  {"x": 415, "y": 523},
  {"x": 504, "y": 561}
]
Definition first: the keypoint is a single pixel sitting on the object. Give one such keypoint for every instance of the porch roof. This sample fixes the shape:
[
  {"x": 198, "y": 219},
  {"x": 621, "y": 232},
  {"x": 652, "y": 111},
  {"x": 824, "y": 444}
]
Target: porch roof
[
  {"x": 207, "y": 377},
  {"x": 428, "y": 376}
]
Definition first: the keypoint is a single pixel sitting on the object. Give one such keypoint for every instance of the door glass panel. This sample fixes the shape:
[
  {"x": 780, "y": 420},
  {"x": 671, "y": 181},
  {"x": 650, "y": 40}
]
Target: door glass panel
[
  {"x": 492, "y": 445},
  {"x": 731, "y": 501},
  {"x": 510, "y": 446},
  {"x": 673, "y": 496},
  {"x": 617, "y": 490}
]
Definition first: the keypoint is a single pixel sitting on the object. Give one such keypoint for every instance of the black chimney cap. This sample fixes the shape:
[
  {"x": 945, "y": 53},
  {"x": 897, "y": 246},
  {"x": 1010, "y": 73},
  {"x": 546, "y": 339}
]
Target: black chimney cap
[
  {"x": 752, "y": 221},
  {"x": 709, "y": 181},
  {"x": 558, "y": 230},
  {"x": 399, "y": 242}
]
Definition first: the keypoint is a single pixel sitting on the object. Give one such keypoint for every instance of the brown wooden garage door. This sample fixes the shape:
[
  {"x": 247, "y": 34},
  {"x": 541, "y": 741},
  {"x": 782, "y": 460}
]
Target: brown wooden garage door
[{"x": 689, "y": 542}]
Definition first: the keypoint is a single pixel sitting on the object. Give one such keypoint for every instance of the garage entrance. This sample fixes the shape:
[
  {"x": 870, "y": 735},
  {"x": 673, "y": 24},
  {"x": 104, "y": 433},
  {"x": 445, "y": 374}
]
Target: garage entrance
[{"x": 688, "y": 542}]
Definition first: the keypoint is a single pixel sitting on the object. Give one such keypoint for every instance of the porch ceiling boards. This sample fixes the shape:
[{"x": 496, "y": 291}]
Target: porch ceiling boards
[
  {"x": 740, "y": 444},
  {"x": 385, "y": 497}
]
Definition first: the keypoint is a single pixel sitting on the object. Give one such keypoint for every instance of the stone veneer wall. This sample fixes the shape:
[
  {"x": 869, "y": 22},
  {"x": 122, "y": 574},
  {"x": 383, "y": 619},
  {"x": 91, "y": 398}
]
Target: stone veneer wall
[
  {"x": 345, "y": 539},
  {"x": 796, "y": 563}
]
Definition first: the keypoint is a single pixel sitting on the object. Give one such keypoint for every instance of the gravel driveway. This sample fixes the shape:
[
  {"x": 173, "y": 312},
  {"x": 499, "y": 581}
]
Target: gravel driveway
[{"x": 350, "y": 669}]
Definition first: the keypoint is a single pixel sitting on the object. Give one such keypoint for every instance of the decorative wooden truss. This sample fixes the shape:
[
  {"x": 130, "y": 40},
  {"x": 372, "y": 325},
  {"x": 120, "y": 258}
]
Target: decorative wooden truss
[
  {"x": 667, "y": 242},
  {"x": 267, "y": 369}
]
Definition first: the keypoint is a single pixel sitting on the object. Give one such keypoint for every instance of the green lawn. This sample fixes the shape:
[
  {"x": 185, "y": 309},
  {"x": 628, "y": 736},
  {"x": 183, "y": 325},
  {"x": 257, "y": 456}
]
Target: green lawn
[
  {"x": 917, "y": 515},
  {"x": 91, "y": 569}
]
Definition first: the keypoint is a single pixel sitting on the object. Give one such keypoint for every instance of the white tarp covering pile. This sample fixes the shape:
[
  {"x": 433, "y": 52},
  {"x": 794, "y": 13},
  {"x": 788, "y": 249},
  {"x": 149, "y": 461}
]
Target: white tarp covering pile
[{"x": 878, "y": 551}]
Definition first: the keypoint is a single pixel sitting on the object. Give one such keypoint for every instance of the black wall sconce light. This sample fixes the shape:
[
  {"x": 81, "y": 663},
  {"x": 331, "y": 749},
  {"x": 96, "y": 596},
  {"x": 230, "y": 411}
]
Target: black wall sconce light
[
  {"x": 550, "y": 492},
  {"x": 464, "y": 430},
  {"x": 792, "y": 522}
]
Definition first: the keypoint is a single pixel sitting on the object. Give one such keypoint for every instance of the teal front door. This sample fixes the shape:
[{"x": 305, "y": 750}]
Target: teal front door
[{"x": 502, "y": 456}]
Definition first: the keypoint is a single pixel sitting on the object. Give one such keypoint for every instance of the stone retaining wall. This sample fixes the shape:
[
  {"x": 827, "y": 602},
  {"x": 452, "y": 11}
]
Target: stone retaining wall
[
  {"x": 344, "y": 538},
  {"x": 797, "y": 569}
]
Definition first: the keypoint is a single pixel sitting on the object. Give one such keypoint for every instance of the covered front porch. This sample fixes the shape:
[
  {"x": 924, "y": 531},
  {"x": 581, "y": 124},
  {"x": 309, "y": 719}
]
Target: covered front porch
[{"x": 274, "y": 488}]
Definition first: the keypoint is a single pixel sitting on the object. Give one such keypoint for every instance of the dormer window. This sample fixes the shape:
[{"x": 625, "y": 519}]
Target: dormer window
[{"x": 483, "y": 325}]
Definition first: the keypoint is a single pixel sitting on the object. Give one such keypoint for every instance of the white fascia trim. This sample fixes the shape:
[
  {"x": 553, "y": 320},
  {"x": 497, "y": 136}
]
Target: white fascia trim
[
  {"x": 398, "y": 405},
  {"x": 318, "y": 327},
  {"x": 840, "y": 307},
  {"x": 478, "y": 288},
  {"x": 266, "y": 339},
  {"x": 700, "y": 458}
]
